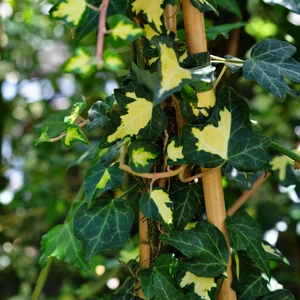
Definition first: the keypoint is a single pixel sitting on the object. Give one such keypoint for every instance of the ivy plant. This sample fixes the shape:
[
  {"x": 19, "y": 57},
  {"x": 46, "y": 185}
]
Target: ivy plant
[{"x": 165, "y": 138}]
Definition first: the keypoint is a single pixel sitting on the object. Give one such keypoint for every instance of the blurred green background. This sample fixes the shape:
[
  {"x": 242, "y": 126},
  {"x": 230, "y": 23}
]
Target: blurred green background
[{"x": 38, "y": 184}]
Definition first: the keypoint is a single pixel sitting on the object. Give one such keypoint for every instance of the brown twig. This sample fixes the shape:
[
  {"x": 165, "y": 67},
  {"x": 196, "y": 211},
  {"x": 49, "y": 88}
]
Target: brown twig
[
  {"x": 245, "y": 196},
  {"x": 102, "y": 30}
]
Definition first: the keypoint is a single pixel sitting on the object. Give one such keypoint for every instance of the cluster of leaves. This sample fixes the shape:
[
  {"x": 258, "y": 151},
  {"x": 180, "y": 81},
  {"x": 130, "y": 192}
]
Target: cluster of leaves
[{"x": 139, "y": 135}]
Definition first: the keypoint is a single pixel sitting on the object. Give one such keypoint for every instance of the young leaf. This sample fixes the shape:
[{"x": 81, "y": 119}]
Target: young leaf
[
  {"x": 213, "y": 31},
  {"x": 74, "y": 134},
  {"x": 123, "y": 31},
  {"x": 43, "y": 137},
  {"x": 100, "y": 179},
  {"x": 73, "y": 12},
  {"x": 205, "y": 5},
  {"x": 205, "y": 288},
  {"x": 158, "y": 206},
  {"x": 97, "y": 115},
  {"x": 112, "y": 60},
  {"x": 61, "y": 243},
  {"x": 174, "y": 152},
  {"x": 187, "y": 200},
  {"x": 139, "y": 116},
  {"x": 230, "y": 5},
  {"x": 80, "y": 63},
  {"x": 227, "y": 136},
  {"x": 269, "y": 61},
  {"x": 152, "y": 9},
  {"x": 105, "y": 225},
  {"x": 172, "y": 77},
  {"x": 278, "y": 295},
  {"x": 142, "y": 156},
  {"x": 205, "y": 247},
  {"x": 76, "y": 111},
  {"x": 245, "y": 234}
]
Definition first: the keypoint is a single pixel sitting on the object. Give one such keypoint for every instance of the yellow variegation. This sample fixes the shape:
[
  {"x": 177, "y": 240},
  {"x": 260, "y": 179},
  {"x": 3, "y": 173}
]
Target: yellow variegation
[
  {"x": 112, "y": 61},
  {"x": 272, "y": 251},
  {"x": 122, "y": 30},
  {"x": 71, "y": 10},
  {"x": 183, "y": 57},
  {"x": 174, "y": 153},
  {"x": 140, "y": 157},
  {"x": 190, "y": 225},
  {"x": 206, "y": 100},
  {"x": 202, "y": 285},
  {"x": 171, "y": 72},
  {"x": 104, "y": 180},
  {"x": 74, "y": 134},
  {"x": 139, "y": 113},
  {"x": 79, "y": 63},
  {"x": 164, "y": 204},
  {"x": 280, "y": 163},
  {"x": 208, "y": 4},
  {"x": 149, "y": 32},
  {"x": 215, "y": 139},
  {"x": 152, "y": 9}
]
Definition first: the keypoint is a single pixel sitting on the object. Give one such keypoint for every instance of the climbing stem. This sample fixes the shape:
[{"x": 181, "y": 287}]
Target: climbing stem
[
  {"x": 286, "y": 152},
  {"x": 212, "y": 181}
]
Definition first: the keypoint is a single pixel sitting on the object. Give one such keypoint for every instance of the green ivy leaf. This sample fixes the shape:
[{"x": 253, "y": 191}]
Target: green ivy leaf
[
  {"x": 278, "y": 295},
  {"x": 269, "y": 61},
  {"x": 164, "y": 266},
  {"x": 74, "y": 134},
  {"x": 73, "y": 12},
  {"x": 105, "y": 225},
  {"x": 100, "y": 179},
  {"x": 213, "y": 31},
  {"x": 142, "y": 156},
  {"x": 250, "y": 283},
  {"x": 233, "y": 63},
  {"x": 123, "y": 31},
  {"x": 158, "y": 206},
  {"x": 274, "y": 253},
  {"x": 97, "y": 115},
  {"x": 43, "y": 137},
  {"x": 205, "y": 5},
  {"x": 245, "y": 234},
  {"x": 205, "y": 288},
  {"x": 76, "y": 111},
  {"x": 138, "y": 116},
  {"x": 230, "y": 5},
  {"x": 188, "y": 198},
  {"x": 174, "y": 152},
  {"x": 80, "y": 63},
  {"x": 205, "y": 247},
  {"x": 292, "y": 5},
  {"x": 227, "y": 136},
  {"x": 61, "y": 243}
]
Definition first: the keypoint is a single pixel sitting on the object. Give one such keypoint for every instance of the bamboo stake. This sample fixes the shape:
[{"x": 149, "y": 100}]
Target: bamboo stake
[{"x": 212, "y": 182}]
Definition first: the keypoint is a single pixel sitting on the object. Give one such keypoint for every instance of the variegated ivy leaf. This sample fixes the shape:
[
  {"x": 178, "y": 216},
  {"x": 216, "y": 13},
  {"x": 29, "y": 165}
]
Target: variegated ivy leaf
[
  {"x": 158, "y": 206},
  {"x": 205, "y": 249},
  {"x": 142, "y": 156},
  {"x": 61, "y": 243},
  {"x": 282, "y": 166},
  {"x": 226, "y": 136},
  {"x": 245, "y": 234},
  {"x": 80, "y": 63},
  {"x": 105, "y": 225},
  {"x": 274, "y": 253},
  {"x": 100, "y": 179},
  {"x": 76, "y": 111},
  {"x": 43, "y": 137},
  {"x": 205, "y": 5},
  {"x": 74, "y": 134},
  {"x": 138, "y": 116},
  {"x": 123, "y": 31},
  {"x": 97, "y": 115},
  {"x": 205, "y": 288},
  {"x": 73, "y": 12},
  {"x": 153, "y": 10},
  {"x": 174, "y": 152},
  {"x": 269, "y": 62},
  {"x": 112, "y": 60},
  {"x": 172, "y": 77}
]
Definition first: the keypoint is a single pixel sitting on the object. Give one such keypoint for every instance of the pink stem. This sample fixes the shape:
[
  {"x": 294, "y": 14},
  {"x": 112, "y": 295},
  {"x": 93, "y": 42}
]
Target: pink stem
[{"x": 102, "y": 29}]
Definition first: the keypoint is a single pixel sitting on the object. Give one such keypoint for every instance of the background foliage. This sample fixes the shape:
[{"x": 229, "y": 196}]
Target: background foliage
[{"x": 38, "y": 184}]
